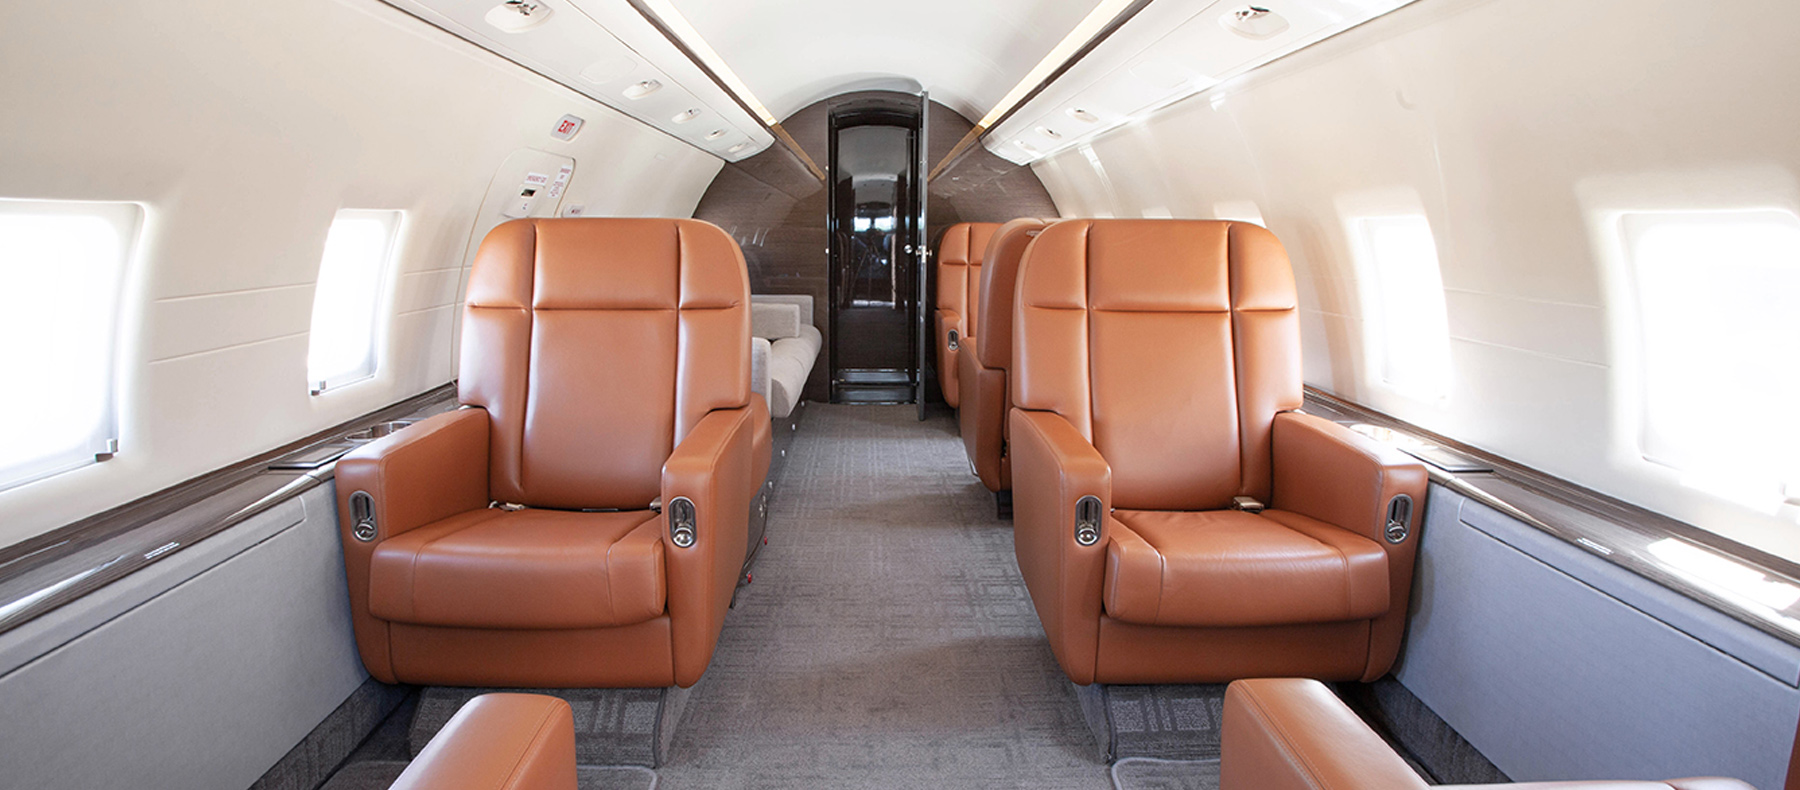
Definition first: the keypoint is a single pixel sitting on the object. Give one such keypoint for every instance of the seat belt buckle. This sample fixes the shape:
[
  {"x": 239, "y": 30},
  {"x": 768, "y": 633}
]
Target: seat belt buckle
[{"x": 1248, "y": 504}]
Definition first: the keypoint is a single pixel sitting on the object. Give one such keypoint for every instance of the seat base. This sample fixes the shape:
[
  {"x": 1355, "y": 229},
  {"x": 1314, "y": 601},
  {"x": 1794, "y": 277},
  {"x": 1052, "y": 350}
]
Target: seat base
[
  {"x": 632, "y": 656},
  {"x": 1130, "y": 653}
]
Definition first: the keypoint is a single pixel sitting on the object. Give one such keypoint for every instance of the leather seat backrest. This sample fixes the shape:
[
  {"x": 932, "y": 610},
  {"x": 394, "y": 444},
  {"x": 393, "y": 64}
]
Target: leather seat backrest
[
  {"x": 959, "y": 268},
  {"x": 595, "y": 345},
  {"x": 1170, "y": 344},
  {"x": 999, "y": 278}
]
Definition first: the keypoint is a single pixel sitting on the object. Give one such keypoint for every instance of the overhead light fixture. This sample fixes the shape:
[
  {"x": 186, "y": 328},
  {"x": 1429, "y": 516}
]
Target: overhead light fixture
[
  {"x": 1254, "y": 22},
  {"x": 736, "y": 148},
  {"x": 1027, "y": 147},
  {"x": 518, "y": 16},
  {"x": 678, "y": 25},
  {"x": 686, "y": 115},
  {"x": 1049, "y": 132},
  {"x": 715, "y": 134},
  {"x": 639, "y": 90},
  {"x": 1083, "y": 115}
]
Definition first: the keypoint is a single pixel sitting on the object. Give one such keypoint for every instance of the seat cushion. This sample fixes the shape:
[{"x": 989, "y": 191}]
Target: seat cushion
[
  {"x": 1230, "y": 568},
  {"x": 544, "y": 569}
]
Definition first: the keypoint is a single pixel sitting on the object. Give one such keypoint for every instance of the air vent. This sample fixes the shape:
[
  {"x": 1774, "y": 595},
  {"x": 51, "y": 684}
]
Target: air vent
[
  {"x": 686, "y": 115},
  {"x": 1027, "y": 147},
  {"x": 715, "y": 134},
  {"x": 1254, "y": 22},
  {"x": 1049, "y": 132},
  {"x": 736, "y": 148},
  {"x": 518, "y": 16},
  {"x": 641, "y": 89},
  {"x": 1083, "y": 115}
]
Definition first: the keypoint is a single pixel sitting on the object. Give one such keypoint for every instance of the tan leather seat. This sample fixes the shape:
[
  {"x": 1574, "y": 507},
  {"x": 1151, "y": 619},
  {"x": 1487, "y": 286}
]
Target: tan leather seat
[
  {"x": 499, "y": 742},
  {"x": 1292, "y": 734},
  {"x": 605, "y": 365},
  {"x": 1156, "y": 368},
  {"x": 981, "y": 376},
  {"x": 958, "y": 287}
]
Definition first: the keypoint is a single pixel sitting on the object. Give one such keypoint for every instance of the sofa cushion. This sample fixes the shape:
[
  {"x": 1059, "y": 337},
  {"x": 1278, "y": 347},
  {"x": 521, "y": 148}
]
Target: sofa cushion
[
  {"x": 790, "y": 363},
  {"x": 775, "y": 321},
  {"x": 1231, "y": 568},
  {"x": 527, "y": 568}
]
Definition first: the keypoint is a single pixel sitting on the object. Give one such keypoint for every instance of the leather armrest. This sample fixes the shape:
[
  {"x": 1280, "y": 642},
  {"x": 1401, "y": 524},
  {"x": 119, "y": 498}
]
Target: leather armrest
[
  {"x": 1343, "y": 478},
  {"x": 981, "y": 418},
  {"x": 429, "y": 471},
  {"x": 712, "y": 467},
  {"x": 499, "y": 742},
  {"x": 1054, "y": 467},
  {"x": 1292, "y": 734}
]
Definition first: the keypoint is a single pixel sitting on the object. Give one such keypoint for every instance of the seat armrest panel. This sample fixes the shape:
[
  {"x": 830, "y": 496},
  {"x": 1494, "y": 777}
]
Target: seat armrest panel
[
  {"x": 712, "y": 467},
  {"x": 1053, "y": 468}
]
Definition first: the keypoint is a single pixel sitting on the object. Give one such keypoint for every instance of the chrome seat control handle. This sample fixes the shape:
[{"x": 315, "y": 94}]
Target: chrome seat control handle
[{"x": 1087, "y": 521}]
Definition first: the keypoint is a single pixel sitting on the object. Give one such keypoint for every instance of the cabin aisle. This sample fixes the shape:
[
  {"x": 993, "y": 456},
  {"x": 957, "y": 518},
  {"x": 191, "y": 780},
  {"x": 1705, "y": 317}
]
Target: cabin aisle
[{"x": 887, "y": 639}]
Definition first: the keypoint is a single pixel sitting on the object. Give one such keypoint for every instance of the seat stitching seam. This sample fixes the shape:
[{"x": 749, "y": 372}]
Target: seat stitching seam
[
  {"x": 1291, "y": 752},
  {"x": 537, "y": 736}
]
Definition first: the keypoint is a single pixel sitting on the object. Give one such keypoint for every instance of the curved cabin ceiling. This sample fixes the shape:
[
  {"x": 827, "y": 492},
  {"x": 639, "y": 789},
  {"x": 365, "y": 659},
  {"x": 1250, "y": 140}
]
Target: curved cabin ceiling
[
  {"x": 1037, "y": 76},
  {"x": 967, "y": 55}
]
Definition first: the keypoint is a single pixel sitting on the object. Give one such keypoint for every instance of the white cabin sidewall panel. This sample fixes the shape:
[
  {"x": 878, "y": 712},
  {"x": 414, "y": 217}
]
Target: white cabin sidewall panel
[
  {"x": 242, "y": 128},
  {"x": 1509, "y": 127}
]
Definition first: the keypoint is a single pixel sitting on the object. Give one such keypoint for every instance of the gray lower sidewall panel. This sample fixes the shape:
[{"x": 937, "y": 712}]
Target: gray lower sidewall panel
[
  {"x": 1553, "y": 678},
  {"x": 206, "y": 682}
]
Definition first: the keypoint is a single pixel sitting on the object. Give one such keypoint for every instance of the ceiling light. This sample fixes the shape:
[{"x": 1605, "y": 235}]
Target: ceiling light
[
  {"x": 715, "y": 134},
  {"x": 736, "y": 148},
  {"x": 518, "y": 16},
  {"x": 642, "y": 89},
  {"x": 686, "y": 115},
  {"x": 1049, "y": 132},
  {"x": 1083, "y": 115},
  {"x": 1029, "y": 148},
  {"x": 1254, "y": 21}
]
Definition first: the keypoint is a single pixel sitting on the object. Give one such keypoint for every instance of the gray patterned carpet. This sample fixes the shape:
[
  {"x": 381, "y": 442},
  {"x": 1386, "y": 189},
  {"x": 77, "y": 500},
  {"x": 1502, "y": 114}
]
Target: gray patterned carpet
[{"x": 887, "y": 640}]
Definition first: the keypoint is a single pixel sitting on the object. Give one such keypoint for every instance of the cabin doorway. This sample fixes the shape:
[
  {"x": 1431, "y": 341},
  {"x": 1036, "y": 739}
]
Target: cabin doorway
[{"x": 877, "y": 228}]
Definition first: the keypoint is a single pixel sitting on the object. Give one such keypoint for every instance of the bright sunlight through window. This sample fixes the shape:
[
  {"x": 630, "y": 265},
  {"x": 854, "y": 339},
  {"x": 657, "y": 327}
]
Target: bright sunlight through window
[
  {"x": 1718, "y": 308},
  {"x": 357, "y": 251},
  {"x": 1406, "y": 314},
  {"x": 61, "y": 267}
]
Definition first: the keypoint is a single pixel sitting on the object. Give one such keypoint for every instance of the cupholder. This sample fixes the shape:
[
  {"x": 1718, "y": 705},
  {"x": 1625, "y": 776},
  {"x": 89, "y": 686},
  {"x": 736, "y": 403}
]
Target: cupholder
[{"x": 377, "y": 431}]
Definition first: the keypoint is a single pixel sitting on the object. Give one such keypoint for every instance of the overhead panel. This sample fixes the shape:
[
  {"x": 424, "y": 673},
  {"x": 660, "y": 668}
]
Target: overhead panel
[
  {"x": 1168, "y": 52},
  {"x": 615, "y": 58}
]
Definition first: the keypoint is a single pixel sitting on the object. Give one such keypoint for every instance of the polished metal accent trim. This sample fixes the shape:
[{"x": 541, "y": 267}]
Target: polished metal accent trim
[
  {"x": 1612, "y": 529},
  {"x": 1399, "y": 519},
  {"x": 1248, "y": 504},
  {"x": 954, "y": 341},
  {"x": 682, "y": 522},
  {"x": 362, "y": 517},
  {"x": 1087, "y": 520}
]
